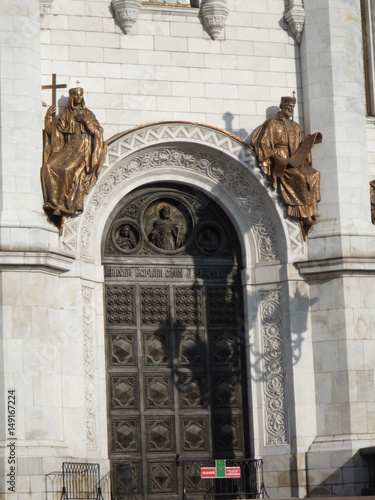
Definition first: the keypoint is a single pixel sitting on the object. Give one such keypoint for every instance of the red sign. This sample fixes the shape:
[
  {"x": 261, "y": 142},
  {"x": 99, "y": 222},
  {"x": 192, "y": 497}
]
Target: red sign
[
  {"x": 208, "y": 472},
  {"x": 233, "y": 472}
]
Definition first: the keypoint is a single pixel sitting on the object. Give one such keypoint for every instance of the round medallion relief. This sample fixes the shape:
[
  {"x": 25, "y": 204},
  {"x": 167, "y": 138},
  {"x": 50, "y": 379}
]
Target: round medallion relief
[
  {"x": 126, "y": 236},
  {"x": 167, "y": 224},
  {"x": 209, "y": 238}
]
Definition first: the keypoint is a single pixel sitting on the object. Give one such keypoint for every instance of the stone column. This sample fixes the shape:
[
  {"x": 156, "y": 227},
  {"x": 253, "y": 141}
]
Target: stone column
[{"x": 341, "y": 249}]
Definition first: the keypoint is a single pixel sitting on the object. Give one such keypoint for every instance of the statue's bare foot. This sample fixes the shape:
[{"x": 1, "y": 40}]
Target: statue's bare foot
[{"x": 56, "y": 212}]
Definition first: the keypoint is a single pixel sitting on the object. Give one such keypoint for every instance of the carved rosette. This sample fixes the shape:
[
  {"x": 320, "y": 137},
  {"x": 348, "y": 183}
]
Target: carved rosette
[
  {"x": 295, "y": 17},
  {"x": 274, "y": 368},
  {"x": 44, "y": 7},
  {"x": 126, "y": 13},
  {"x": 214, "y": 14}
]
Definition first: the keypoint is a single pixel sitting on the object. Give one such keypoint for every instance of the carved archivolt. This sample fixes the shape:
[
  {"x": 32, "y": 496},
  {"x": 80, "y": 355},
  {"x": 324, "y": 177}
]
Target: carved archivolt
[
  {"x": 177, "y": 147},
  {"x": 274, "y": 368}
]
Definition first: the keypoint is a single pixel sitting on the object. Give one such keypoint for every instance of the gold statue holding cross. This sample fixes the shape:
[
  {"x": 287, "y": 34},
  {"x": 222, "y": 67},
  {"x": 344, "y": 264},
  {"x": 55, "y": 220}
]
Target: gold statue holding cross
[{"x": 73, "y": 155}]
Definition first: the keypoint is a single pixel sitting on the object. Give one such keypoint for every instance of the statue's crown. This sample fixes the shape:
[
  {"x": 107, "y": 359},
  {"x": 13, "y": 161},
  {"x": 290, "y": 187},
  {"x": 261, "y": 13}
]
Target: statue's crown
[
  {"x": 288, "y": 100},
  {"x": 76, "y": 90}
]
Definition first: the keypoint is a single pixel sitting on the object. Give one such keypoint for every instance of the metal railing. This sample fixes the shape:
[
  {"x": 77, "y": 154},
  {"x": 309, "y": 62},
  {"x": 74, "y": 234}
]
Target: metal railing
[
  {"x": 250, "y": 484},
  {"x": 82, "y": 481}
]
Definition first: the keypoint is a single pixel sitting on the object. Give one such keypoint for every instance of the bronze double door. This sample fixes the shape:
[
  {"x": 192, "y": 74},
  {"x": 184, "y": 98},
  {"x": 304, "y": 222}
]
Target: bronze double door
[{"x": 176, "y": 369}]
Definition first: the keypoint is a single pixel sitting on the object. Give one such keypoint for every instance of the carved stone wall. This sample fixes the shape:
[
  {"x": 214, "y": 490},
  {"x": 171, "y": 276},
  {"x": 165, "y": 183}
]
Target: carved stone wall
[
  {"x": 89, "y": 366},
  {"x": 273, "y": 368}
]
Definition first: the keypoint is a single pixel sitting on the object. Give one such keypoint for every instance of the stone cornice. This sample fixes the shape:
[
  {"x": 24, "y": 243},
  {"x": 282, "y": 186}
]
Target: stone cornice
[
  {"x": 35, "y": 261},
  {"x": 336, "y": 267}
]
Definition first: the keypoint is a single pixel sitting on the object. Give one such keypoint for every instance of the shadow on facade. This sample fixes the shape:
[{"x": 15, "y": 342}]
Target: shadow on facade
[{"x": 350, "y": 478}]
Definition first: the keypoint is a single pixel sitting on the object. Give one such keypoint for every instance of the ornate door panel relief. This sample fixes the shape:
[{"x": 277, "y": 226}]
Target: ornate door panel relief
[{"x": 175, "y": 354}]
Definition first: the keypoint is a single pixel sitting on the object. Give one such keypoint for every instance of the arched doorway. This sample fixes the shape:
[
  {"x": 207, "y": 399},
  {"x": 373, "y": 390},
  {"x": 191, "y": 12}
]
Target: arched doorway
[{"x": 176, "y": 367}]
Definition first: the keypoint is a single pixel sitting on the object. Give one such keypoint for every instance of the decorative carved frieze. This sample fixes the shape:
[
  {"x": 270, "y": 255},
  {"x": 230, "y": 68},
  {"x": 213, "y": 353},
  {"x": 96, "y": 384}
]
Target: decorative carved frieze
[
  {"x": 214, "y": 14},
  {"x": 120, "y": 305},
  {"x": 274, "y": 368},
  {"x": 295, "y": 17},
  {"x": 154, "y": 306},
  {"x": 221, "y": 302},
  {"x": 126, "y": 13},
  {"x": 189, "y": 306},
  {"x": 89, "y": 366}
]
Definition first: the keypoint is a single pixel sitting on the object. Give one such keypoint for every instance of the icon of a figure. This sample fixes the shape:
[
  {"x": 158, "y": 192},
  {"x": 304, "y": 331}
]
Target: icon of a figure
[
  {"x": 286, "y": 160},
  {"x": 74, "y": 152},
  {"x": 165, "y": 232},
  {"x": 126, "y": 239},
  {"x": 208, "y": 240}
]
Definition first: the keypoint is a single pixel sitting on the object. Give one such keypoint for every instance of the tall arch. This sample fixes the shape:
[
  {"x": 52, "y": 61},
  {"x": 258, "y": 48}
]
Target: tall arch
[{"x": 220, "y": 164}]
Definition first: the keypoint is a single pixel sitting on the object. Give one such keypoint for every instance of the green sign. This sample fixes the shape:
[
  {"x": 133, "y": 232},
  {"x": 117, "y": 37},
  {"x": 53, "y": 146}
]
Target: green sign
[{"x": 220, "y": 468}]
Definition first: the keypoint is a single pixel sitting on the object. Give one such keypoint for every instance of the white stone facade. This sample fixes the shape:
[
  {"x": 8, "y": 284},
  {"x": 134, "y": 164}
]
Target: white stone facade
[{"x": 168, "y": 83}]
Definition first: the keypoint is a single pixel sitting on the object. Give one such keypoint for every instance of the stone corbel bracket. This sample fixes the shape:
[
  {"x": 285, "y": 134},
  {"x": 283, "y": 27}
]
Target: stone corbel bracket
[
  {"x": 44, "y": 7},
  {"x": 214, "y": 15},
  {"x": 126, "y": 13},
  {"x": 295, "y": 17}
]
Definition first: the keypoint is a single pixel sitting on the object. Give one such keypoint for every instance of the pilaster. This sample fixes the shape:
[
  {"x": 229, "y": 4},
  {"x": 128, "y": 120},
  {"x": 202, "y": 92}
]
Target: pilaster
[
  {"x": 334, "y": 101},
  {"x": 341, "y": 248},
  {"x": 21, "y": 122}
]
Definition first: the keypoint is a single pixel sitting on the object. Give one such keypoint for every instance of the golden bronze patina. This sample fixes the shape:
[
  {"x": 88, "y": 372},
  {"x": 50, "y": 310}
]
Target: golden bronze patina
[
  {"x": 73, "y": 155},
  {"x": 286, "y": 160}
]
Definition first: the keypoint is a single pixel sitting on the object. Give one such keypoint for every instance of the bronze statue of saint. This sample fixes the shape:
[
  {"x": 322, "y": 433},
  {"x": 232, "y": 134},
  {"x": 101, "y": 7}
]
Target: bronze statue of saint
[
  {"x": 165, "y": 232},
  {"x": 72, "y": 156},
  {"x": 286, "y": 161}
]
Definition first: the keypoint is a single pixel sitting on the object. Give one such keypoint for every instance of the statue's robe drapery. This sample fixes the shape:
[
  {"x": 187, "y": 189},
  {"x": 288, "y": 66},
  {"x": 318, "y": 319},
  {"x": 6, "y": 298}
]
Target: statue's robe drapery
[
  {"x": 164, "y": 234},
  {"x": 299, "y": 186},
  {"x": 71, "y": 169}
]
